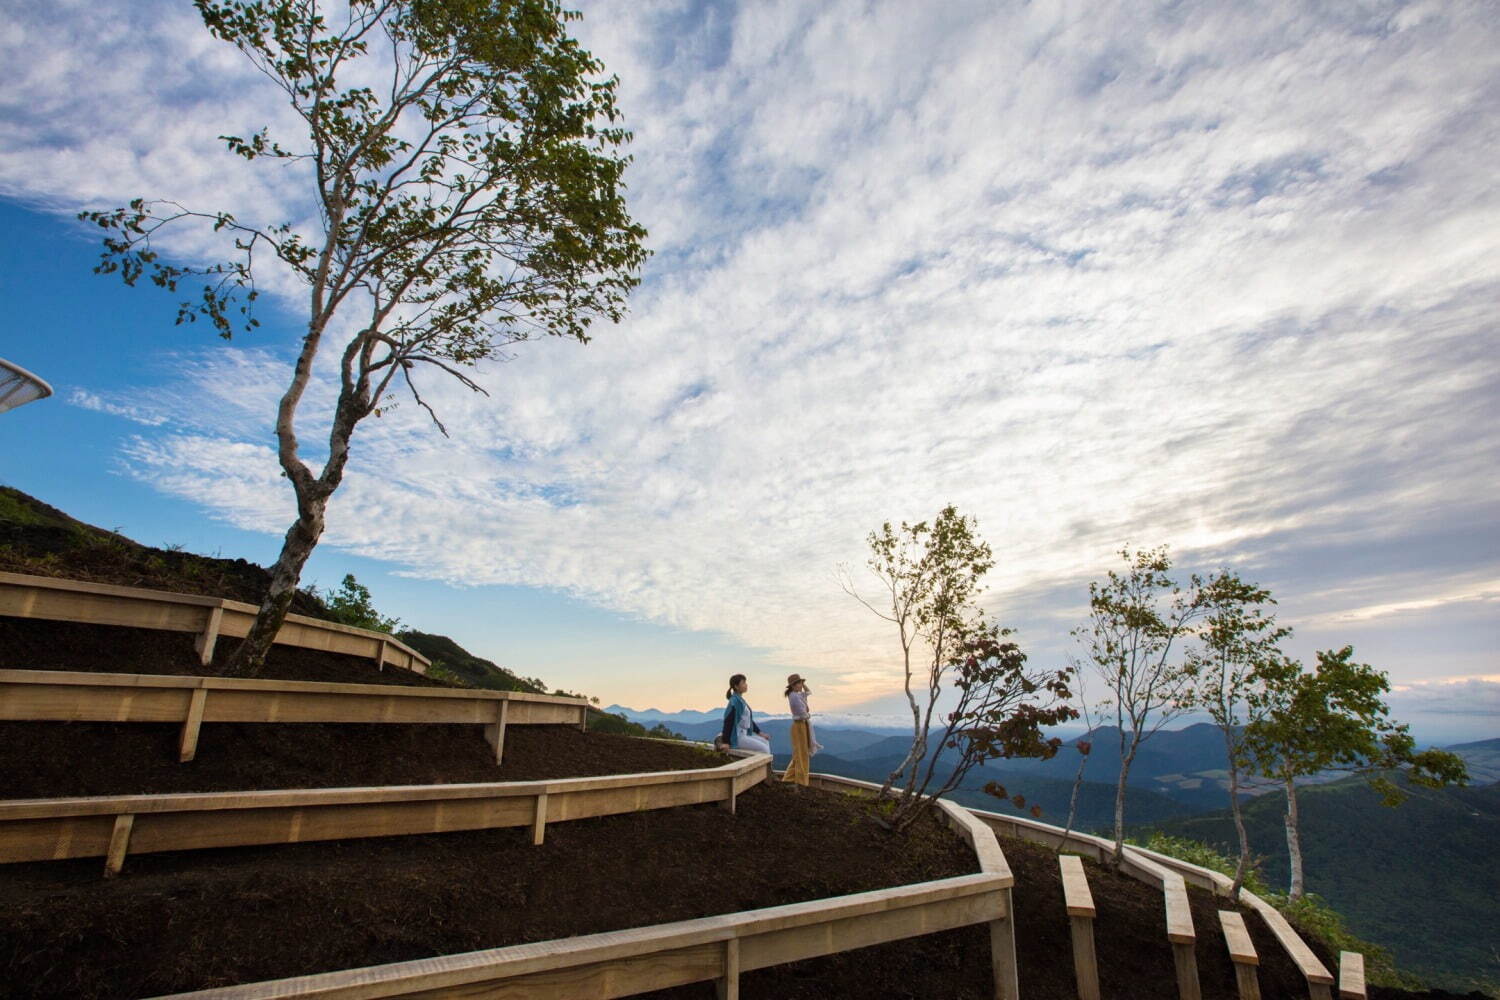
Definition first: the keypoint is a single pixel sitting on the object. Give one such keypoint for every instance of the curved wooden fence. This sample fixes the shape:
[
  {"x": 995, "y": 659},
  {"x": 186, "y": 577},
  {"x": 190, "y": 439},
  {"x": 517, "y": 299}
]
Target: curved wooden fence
[
  {"x": 1170, "y": 875},
  {"x": 24, "y": 596},
  {"x": 718, "y": 948},
  {"x": 69, "y": 696},
  {"x": 113, "y": 826},
  {"x": 1150, "y": 866}
]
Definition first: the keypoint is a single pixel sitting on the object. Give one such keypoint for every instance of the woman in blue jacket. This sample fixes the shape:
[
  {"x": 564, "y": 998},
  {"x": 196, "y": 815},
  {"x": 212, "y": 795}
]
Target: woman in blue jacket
[{"x": 740, "y": 730}]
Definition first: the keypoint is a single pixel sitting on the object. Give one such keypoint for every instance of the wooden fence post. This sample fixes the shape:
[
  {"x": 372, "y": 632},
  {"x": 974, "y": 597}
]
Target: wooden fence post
[
  {"x": 1351, "y": 975},
  {"x": 539, "y": 821},
  {"x": 1241, "y": 953},
  {"x": 494, "y": 733},
  {"x": 1081, "y": 913},
  {"x": 728, "y": 988},
  {"x": 1003, "y": 952},
  {"x": 1181, "y": 934},
  {"x": 727, "y": 804},
  {"x": 210, "y": 635},
  {"x": 187, "y": 746},
  {"x": 119, "y": 844}
]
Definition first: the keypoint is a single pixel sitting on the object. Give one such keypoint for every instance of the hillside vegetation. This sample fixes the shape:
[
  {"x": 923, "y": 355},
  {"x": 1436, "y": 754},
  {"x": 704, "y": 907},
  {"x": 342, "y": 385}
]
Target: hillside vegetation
[
  {"x": 1422, "y": 878},
  {"x": 40, "y": 540}
]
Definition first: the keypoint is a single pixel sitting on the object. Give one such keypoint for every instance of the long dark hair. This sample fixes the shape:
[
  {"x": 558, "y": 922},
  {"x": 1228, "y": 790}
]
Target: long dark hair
[{"x": 734, "y": 681}]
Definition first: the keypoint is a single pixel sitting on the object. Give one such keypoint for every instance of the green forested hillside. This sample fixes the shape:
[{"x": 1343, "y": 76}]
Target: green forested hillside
[
  {"x": 475, "y": 671},
  {"x": 1423, "y": 878}
]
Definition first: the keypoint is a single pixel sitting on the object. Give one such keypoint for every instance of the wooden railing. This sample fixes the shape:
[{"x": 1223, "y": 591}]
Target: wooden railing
[
  {"x": 23, "y": 596},
  {"x": 112, "y": 826},
  {"x": 1140, "y": 862},
  {"x": 68, "y": 696},
  {"x": 718, "y": 948}
]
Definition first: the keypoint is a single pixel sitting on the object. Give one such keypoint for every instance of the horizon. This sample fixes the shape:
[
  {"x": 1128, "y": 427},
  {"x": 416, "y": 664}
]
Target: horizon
[{"x": 1211, "y": 279}]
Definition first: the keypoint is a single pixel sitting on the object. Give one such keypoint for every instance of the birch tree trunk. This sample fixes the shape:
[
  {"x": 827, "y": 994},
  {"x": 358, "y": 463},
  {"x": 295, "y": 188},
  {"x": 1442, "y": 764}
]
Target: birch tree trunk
[
  {"x": 1293, "y": 843},
  {"x": 1125, "y": 763},
  {"x": 1243, "y": 867},
  {"x": 301, "y": 538}
]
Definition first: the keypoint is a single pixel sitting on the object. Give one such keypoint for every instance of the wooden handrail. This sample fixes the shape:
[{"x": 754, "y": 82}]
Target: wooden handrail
[
  {"x": 1316, "y": 974},
  {"x": 621, "y": 963},
  {"x": 58, "y": 599},
  {"x": 76, "y": 696},
  {"x": 112, "y": 826}
]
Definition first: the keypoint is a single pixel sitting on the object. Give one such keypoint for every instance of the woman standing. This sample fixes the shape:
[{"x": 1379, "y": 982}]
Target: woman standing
[
  {"x": 803, "y": 743},
  {"x": 740, "y": 730}
]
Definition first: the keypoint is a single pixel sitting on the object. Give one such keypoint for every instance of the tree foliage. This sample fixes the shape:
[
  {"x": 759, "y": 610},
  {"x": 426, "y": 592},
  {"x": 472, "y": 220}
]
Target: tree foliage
[
  {"x": 1333, "y": 718},
  {"x": 464, "y": 160},
  {"x": 932, "y": 576},
  {"x": 1238, "y": 640},
  {"x": 1139, "y": 621},
  {"x": 351, "y": 605}
]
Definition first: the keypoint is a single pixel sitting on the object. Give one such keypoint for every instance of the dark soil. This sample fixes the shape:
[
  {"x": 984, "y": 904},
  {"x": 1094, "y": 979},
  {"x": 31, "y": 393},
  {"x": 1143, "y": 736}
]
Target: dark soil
[
  {"x": 191, "y": 920},
  {"x": 63, "y": 759},
  {"x": 35, "y": 644}
]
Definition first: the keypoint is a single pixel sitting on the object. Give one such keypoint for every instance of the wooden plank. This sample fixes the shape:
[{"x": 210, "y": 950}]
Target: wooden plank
[
  {"x": 1241, "y": 953},
  {"x": 1237, "y": 937},
  {"x": 802, "y": 929},
  {"x": 40, "y": 702},
  {"x": 1185, "y": 962},
  {"x": 1351, "y": 975},
  {"x": 71, "y": 696},
  {"x": 52, "y": 598},
  {"x": 1076, "y": 895},
  {"x": 539, "y": 819},
  {"x": 119, "y": 844},
  {"x": 51, "y": 829},
  {"x": 1179, "y": 913},
  {"x": 209, "y": 637},
  {"x": 495, "y": 732},
  {"x": 1004, "y": 964},
  {"x": 1085, "y": 959},
  {"x": 1080, "y": 904},
  {"x": 83, "y": 678},
  {"x": 1246, "y": 981},
  {"x": 727, "y": 802},
  {"x": 187, "y": 745},
  {"x": 728, "y": 986},
  {"x": 1301, "y": 955}
]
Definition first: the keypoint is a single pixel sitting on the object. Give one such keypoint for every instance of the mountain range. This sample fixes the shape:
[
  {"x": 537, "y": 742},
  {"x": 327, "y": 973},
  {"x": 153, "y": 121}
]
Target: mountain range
[{"x": 1376, "y": 865}]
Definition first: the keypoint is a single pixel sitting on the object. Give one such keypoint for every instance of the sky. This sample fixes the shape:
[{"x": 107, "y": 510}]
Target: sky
[{"x": 1218, "y": 276}]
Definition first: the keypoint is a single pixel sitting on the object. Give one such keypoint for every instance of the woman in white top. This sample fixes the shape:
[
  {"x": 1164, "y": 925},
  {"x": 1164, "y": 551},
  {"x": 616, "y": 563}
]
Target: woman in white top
[{"x": 803, "y": 743}]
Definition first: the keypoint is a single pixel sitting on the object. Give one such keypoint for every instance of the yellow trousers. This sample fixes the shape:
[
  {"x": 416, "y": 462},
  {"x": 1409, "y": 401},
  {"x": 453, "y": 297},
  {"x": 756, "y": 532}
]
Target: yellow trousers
[{"x": 801, "y": 753}]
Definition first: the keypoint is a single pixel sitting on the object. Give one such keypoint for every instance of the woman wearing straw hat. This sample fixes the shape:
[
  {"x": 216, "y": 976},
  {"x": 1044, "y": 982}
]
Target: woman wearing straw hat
[{"x": 803, "y": 743}]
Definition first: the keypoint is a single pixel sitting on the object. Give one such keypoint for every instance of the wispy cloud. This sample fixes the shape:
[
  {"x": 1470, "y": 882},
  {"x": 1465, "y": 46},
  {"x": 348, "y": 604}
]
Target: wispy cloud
[
  {"x": 135, "y": 414},
  {"x": 1222, "y": 276}
]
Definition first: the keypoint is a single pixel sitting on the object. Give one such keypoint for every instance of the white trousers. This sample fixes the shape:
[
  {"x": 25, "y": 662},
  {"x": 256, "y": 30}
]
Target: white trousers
[{"x": 749, "y": 741}]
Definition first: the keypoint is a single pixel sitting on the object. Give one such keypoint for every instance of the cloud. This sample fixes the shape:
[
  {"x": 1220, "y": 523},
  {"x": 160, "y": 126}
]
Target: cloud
[
  {"x": 89, "y": 401},
  {"x": 1220, "y": 276},
  {"x": 1462, "y": 696}
]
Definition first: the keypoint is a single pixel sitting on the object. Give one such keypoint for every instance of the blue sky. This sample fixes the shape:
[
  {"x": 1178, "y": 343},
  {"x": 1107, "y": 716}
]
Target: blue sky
[{"x": 1217, "y": 276}]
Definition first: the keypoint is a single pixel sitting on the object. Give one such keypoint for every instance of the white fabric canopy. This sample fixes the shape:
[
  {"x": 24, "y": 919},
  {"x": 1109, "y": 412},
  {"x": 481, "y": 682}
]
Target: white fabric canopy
[{"x": 18, "y": 386}]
